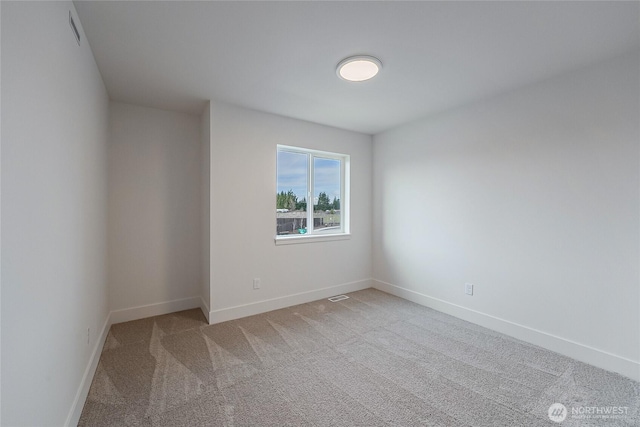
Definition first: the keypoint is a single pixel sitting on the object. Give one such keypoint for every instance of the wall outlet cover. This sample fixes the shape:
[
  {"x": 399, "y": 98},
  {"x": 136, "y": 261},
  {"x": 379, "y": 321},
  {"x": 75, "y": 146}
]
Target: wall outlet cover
[{"x": 468, "y": 288}]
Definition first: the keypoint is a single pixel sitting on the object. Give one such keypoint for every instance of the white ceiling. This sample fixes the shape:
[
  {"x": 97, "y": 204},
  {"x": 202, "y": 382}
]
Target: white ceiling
[{"x": 280, "y": 57}]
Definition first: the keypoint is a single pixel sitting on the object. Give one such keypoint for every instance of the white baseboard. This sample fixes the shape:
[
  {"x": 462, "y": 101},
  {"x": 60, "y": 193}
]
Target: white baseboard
[
  {"x": 239, "y": 311},
  {"x": 205, "y": 308},
  {"x": 575, "y": 350},
  {"x": 83, "y": 391},
  {"x": 119, "y": 316},
  {"x": 143, "y": 311}
]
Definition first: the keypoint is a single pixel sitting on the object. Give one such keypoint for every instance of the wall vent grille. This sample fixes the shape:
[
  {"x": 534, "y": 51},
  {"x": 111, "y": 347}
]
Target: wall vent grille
[{"x": 72, "y": 24}]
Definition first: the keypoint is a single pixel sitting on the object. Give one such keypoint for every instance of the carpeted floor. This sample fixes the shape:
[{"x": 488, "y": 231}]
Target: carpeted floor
[{"x": 371, "y": 360}]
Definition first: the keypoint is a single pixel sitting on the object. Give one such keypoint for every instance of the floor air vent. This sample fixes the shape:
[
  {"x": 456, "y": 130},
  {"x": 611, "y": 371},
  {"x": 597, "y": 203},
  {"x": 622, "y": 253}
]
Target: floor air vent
[{"x": 338, "y": 298}]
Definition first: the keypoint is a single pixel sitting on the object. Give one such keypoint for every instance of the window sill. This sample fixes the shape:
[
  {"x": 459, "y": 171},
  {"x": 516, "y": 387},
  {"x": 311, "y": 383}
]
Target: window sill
[{"x": 294, "y": 240}]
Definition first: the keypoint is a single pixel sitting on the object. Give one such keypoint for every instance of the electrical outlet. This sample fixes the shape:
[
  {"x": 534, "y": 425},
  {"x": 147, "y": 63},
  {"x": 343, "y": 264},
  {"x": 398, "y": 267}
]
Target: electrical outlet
[
  {"x": 468, "y": 288},
  {"x": 256, "y": 283}
]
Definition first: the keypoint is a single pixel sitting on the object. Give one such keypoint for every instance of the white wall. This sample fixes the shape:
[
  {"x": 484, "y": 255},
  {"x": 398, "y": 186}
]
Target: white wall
[
  {"x": 243, "y": 217},
  {"x": 205, "y": 201},
  {"x": 154, "y": 226},
  {"x": 533, "y": 197},
  {"x": 54, "y": 192},
  {"x": 0, "y": 226}
]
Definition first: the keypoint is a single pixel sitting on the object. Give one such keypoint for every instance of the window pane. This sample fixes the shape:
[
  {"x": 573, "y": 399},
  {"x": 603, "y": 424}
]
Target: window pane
[
  {"x": 326, "y": 194},
  {"x": 291, "y": 193}
]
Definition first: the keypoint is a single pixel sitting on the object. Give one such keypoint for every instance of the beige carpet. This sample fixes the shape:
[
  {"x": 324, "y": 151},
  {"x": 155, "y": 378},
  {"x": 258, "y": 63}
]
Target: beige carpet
[{"x": 370, "y": 360}]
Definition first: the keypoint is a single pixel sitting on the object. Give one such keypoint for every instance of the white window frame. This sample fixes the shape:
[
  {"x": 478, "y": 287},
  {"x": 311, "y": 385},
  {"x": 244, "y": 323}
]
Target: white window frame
[{"x": 345, "y": 196}]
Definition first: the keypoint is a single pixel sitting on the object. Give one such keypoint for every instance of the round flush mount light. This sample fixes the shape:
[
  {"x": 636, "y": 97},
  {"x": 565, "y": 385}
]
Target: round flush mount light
[{"x": 358, "y": 68}]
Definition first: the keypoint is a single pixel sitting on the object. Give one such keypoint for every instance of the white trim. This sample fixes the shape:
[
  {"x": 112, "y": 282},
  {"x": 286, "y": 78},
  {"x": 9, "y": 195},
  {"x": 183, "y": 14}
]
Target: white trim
[
  {"x": 584, "y": 353},
  {"x": 345, "y": 184},
  {"x": 303, "y": 150},
  {"x": 205, "y": 308},
  {"x": 239, "y": 311},
  {"x": 149, "y": 310},
  {"x": 310, "y": 238},
  {"x": 575, "y": 350},
  {"x": 310, "y": 188},
  {"x": 83, "y": 391},
  {"x": 119, "y": 316}
]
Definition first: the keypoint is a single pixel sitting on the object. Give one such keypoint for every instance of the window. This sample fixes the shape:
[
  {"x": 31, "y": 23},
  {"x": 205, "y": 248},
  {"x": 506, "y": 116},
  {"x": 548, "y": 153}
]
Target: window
[{"x": 312, "y": 194}]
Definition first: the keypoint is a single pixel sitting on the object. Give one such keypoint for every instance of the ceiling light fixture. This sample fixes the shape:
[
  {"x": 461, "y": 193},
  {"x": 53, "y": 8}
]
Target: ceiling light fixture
[{"x": 358, "y": 68}]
